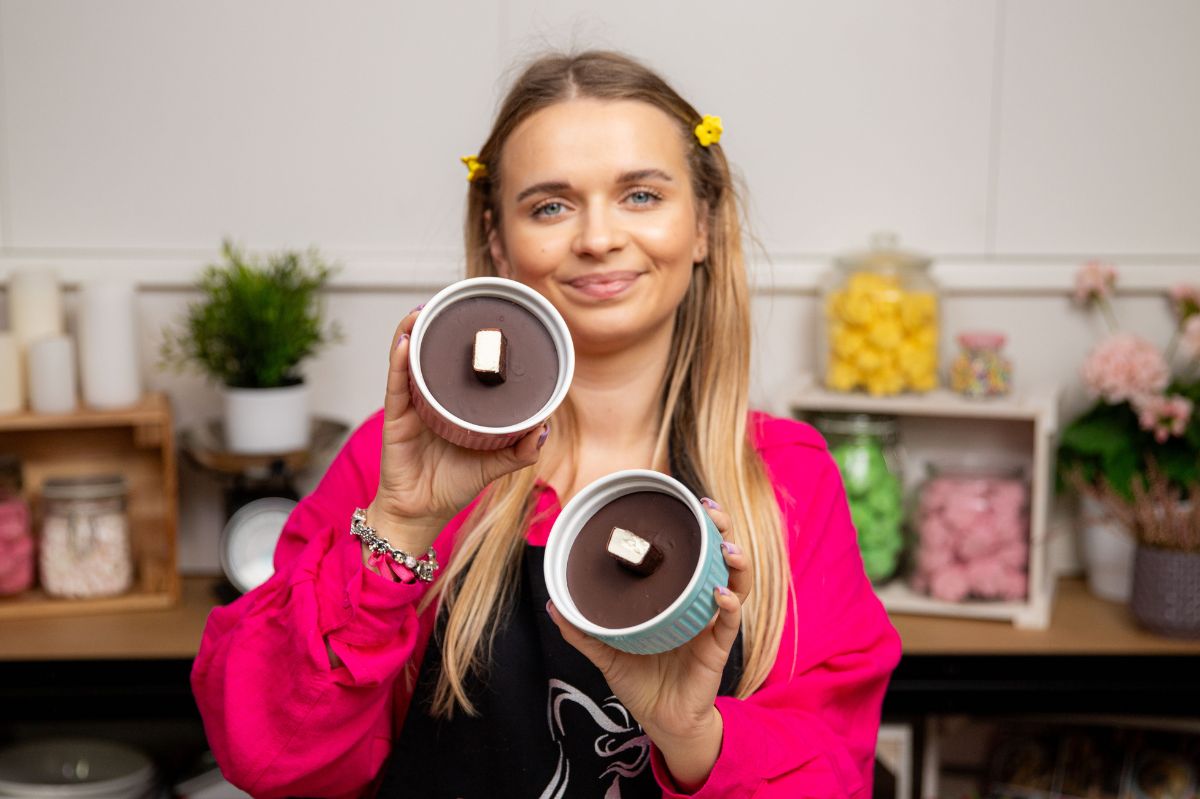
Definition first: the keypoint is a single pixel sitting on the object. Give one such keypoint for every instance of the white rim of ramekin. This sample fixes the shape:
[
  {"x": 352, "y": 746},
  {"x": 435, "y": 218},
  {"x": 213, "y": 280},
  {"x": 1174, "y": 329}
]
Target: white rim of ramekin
[{"x": 529, "y": 299}]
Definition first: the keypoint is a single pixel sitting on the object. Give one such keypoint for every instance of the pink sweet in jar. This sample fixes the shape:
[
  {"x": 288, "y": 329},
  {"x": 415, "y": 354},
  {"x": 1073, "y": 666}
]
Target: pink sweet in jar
[{"x": 972, "y": 537}]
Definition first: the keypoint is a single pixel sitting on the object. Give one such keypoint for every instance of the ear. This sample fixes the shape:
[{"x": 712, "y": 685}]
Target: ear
[
  {"x": 700, "y": 252},
  {"x": 496, "y": 246}
]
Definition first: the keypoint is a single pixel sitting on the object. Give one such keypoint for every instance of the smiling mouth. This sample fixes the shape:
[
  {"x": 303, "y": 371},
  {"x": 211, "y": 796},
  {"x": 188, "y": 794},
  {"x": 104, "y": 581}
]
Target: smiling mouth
[{"x": 604, "y": 285}]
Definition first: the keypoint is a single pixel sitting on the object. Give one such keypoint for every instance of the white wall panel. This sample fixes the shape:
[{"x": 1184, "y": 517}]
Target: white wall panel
[
  {"x": 1098, "y": 147},
  {"x": 844, "y": 118},
  {"x": 138, "y": 124}
]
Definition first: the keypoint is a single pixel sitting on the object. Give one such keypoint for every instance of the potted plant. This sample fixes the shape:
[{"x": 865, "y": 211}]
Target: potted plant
[
  {"x": 255, "y": 324},
  {"x": 1143, "y": 413},
  {"x": 1166, "y": 573}
]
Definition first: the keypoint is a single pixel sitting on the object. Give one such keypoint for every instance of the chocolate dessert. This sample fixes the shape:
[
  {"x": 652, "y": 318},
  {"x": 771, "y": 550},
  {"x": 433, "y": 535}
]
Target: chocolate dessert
[
  {"x": 613, "y": 588},
  {"x": 489, "y": 361}
]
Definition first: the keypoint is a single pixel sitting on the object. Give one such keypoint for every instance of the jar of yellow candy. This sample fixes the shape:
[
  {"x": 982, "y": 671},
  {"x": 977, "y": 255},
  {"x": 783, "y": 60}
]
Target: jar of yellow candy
[{"x": 881, "y": 321}]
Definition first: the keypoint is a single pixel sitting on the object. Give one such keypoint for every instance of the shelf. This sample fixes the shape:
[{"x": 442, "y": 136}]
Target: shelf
[
  {"x": 1016, "y": 431},
  {"x": 137, "y": 443},
  {"x": 806, "y": 395},
  {"x": 1081, "y": 625}
]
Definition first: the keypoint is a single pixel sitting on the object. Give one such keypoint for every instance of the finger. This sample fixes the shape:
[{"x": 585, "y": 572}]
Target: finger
[
  {"x": 729, "y": 620},
  {"x": 741, "y": 570},
  {"x": 718, "y": 515},
  {"x": 521, "y": 454},
  {"x": 406, "y": 324},
  {"x": 600, "y": 654},
  {"x": 396, "y": 399}
]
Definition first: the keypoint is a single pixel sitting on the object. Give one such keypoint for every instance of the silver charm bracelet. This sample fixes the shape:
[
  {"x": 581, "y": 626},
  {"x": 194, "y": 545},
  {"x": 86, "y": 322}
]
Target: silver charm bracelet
[{"x": 423, "y": 568}]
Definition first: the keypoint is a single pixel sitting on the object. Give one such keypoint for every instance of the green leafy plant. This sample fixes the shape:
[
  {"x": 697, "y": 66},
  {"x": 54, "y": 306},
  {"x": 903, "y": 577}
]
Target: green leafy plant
[{"x": 257, "y": 321}]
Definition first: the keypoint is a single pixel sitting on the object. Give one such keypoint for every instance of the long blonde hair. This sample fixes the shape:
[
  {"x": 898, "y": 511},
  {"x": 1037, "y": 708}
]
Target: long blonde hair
[{"x": 705, "y": 394}]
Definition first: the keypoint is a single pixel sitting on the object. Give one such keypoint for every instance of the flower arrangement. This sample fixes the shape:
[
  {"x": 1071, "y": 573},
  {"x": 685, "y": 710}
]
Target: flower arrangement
[{"x": 1146, "y": 400}]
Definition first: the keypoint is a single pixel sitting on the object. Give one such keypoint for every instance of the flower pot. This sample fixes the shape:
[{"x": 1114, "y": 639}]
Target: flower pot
[
  {"x": 1108, "y": 551},
  {"x": 1166, "y": 591},
  {"x": 266, "y": 421}
]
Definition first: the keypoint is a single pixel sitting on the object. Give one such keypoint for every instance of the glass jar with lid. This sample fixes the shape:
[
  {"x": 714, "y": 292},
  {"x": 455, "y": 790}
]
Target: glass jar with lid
[
  {"x": 881, "y": 321},
  {"x": 86, "y": 549},
  {"x": 867, "y": 451},
  {"x": 971, "y": 531},
  {"x": 981, "y": 369},
  {"x": 16, "y": 534}
]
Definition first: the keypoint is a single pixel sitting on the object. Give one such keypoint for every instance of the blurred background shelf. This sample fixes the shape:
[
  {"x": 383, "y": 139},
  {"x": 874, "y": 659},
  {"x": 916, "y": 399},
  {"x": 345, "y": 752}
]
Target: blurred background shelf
[{"x": 137, "y": 443}]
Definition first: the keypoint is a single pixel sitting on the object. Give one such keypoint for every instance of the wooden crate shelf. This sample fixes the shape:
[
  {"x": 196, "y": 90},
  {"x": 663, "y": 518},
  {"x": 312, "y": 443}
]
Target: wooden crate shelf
[
  {"x": 137, "y": 443},
  {"x": 1017, "y": 430}
]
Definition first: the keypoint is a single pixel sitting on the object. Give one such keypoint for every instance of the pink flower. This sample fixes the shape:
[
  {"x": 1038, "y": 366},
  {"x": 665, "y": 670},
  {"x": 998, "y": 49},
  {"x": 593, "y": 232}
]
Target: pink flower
[
  {"x": 1125, "y": 366},
  {"x": 1185, "y": 301},
  {"x": 1094, "y": 281},
  {"x": 1189, "y": 337},
  {"x": 1165, "y": 416}
]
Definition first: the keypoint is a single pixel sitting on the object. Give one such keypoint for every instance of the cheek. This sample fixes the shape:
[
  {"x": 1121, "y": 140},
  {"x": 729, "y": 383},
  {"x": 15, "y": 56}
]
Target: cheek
[{"x": 532, "y": 253}]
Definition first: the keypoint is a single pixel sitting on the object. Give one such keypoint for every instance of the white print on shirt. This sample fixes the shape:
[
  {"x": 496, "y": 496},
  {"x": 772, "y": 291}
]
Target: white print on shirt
[{"x": 630, "y": 755}]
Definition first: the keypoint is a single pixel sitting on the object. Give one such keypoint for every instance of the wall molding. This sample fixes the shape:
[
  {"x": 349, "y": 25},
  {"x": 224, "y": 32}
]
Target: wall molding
[{"x": 176, "y": 270}]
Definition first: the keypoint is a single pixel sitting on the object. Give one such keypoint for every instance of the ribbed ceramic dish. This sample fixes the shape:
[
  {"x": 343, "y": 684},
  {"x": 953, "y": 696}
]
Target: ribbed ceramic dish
[
  {"x": 687, "y": 615},
  {"x": 460, "y": 431}
]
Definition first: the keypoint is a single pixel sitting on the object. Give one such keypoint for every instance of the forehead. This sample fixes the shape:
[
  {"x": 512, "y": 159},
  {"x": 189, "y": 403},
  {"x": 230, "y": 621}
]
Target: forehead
[{"x": 583, "y": 138}]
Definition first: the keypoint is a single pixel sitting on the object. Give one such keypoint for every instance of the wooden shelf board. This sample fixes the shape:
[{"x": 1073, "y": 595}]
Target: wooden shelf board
[{"x": 151, "y": 410}]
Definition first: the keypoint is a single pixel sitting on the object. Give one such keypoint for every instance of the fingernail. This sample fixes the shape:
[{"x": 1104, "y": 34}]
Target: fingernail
[
  {"x": 722, "y": 590},
  {"x": 709, "y": 503},
  {"x": 542, "y": 438},
  {"x": 548, "y": 603},
  {"x": 403, "y": 338},
  {"x": 731, "y": 548},
  {"x": 414, "y": 310}
]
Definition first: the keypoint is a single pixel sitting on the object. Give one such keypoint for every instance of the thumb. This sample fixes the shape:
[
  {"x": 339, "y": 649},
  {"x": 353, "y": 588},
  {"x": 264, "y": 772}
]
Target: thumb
[{"x": 521, "y": 454}]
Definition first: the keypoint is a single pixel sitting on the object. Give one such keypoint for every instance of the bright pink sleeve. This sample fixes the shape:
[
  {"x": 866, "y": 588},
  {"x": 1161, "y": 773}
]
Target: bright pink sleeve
[
  {"x": 280, "y": 720},
  {"x": 810, "y": 730}
]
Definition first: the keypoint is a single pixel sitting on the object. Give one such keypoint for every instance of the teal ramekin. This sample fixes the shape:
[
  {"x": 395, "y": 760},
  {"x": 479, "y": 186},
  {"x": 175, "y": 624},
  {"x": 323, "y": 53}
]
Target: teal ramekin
[{"x": 684, "y": 618}]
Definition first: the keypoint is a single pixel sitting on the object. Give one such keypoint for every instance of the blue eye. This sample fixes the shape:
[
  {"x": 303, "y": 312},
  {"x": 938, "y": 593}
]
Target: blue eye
[
  {"x": 549, "y": 209},
  {"x": 643, "y": 197}
]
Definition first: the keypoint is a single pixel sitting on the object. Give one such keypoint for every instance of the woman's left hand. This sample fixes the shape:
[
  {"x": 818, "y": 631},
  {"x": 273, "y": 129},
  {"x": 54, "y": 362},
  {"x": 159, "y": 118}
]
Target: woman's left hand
[{"x": 672, "y": 694}]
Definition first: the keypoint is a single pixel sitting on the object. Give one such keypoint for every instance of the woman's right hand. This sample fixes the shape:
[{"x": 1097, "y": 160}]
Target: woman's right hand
[{"x": 425, "y": 480}]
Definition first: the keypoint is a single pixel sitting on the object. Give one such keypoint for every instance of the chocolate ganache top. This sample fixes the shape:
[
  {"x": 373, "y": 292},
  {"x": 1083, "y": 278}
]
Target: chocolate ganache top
[
  {"x": 612, "y": 596},
  {"x": 446, "y": 362}
]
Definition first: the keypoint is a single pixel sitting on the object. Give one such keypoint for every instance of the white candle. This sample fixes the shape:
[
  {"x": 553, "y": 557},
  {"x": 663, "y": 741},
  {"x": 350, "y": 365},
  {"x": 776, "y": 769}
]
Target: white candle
[
  {"x": 35, "y": 305},
  {"x": 52, "y": 375},
  {"x": 12, "y": 387},
  {"x": 108, "y": 351}
]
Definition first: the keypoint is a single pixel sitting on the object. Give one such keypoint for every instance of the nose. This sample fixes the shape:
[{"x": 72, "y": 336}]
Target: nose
[{"x": 599, "y": 233}]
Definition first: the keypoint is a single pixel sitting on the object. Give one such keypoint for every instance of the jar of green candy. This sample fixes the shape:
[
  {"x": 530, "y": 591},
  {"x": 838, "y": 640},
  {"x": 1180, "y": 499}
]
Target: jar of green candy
[{"x": 866, "y": 449}]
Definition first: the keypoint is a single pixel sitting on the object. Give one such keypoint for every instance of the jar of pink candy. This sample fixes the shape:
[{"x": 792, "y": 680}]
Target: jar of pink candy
[
  {"x": 971, "y": 530},
  {"x": 16, "y": 534}
]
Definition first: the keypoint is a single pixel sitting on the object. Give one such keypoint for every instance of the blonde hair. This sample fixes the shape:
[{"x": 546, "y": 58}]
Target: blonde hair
[{"x": 703, "y": 431}]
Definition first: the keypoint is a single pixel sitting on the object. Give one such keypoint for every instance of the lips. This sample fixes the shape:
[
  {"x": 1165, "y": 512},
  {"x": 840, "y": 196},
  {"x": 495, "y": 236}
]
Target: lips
[{"x": 603, "y": 285}]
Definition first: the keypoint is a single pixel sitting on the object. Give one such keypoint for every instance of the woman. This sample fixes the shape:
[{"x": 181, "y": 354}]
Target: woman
[{"x": 605, "y": 191}]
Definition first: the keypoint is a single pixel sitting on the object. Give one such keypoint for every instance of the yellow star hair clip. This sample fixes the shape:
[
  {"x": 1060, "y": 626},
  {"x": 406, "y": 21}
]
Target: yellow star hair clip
[
  {"x": 475, "y": 168},
  {"x": 709, "y": 130}
]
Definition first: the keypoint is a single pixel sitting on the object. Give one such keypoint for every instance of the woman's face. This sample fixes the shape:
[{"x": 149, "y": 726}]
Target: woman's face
[{"x": 597, "y": 213}]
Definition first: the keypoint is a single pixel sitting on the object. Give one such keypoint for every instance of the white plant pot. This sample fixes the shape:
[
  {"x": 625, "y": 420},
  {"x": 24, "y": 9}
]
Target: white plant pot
[
  {"x": 1108, "y": 551},
  {"x": 266, "y": 421}
]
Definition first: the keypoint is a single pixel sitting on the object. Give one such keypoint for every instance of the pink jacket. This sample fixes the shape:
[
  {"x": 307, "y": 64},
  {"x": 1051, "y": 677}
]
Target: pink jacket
[{"x": 282, "y": 722}]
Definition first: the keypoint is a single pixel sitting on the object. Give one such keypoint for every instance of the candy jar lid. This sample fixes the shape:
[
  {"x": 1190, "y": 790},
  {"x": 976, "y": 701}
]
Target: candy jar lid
[
  {"x": 105, "y": 486},
  {"x": 884, "y": 255},
  {"x": 856, "y": 424},
  {"x": 981, "y": 340}
]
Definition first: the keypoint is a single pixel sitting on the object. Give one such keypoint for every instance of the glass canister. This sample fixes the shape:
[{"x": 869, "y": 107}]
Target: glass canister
[
  {"x": 980, "y": 369},
  {"x": 971, "y": 532},
  {"x": 16, "y": 532},
  {"x": 881, "y": 321},
  {"x": 866, "y": 449},
  {"x": 85, "y": 542}
]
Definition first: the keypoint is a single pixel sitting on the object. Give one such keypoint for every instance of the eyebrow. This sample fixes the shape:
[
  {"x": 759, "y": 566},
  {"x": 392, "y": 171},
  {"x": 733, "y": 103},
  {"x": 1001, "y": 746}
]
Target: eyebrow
[{"x": 556, "y": 186}]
